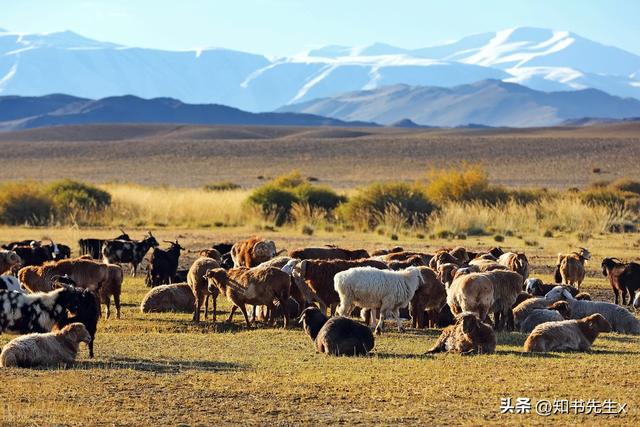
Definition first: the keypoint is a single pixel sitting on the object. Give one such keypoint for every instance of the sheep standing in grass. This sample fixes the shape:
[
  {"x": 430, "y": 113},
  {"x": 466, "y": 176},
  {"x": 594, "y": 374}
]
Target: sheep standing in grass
[
  {"x": 620, "y": 318},
  {"x": 338, "y": 336},
  {"x": 570, "y": 267},
  {"x": 199, "y": 286},
  {"x": 430, "y": 295},
  {"x": 385, "y": 290},
  {"x": 47, "y": 349},
  {"x": 469, "y": 335},
  {"x": 517, "y": 262},
  {"x": 556, "y": 312},
  {"x": 507, "y": 285},
  {"x": 472, "y": 293},
  {"x": 255, "y": 286},
  {"x": 572, "y": 335},
  {"x": 112, "y": 287}
]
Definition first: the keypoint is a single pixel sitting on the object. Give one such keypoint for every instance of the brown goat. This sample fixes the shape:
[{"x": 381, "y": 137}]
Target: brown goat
[
  {"x": 252, "y": 252},
  {"x": 318, "y": 275},
  {"x": 328, "y": 252},
  {"x": 256, "y": 286},
  {"x": 199, "y": 286},
  {"x": 430, "y": 295},
  {"x": 414, "y": 261}
]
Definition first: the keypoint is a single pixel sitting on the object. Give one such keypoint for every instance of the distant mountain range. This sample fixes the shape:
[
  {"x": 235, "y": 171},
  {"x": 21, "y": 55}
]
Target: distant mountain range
[
  {"x": 541, "y": 59},
  {"x": 484, "y": 103},
  {"x": 18, "y": 113}
]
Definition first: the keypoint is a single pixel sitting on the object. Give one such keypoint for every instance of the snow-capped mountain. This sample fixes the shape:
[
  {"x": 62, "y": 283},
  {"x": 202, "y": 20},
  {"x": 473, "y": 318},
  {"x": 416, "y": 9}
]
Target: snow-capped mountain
[{"x": 548, "y": 60}]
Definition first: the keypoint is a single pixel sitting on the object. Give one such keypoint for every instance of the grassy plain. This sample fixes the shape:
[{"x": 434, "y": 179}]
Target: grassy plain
[{"x": 161, "y": 369}]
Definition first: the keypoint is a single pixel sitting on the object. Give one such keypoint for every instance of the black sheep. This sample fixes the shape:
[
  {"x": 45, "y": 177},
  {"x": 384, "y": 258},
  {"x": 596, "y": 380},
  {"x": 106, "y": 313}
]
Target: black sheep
[
  {"x": 338, "y": 336},
  {"x": 86, "y": 312}
]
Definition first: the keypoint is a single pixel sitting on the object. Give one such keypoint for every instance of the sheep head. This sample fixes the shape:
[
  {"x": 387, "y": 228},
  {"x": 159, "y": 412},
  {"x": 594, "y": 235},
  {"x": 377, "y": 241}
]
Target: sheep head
[
  {"x": 312, "y": 320},
  {"x": 532, "y": 285},
  {"x": 585, "y": 254},
  {"x": 469, "y": 323},
  {"x": 218, "y": 278},
  {"x": 10, "y": 257},
  {"x": 598, "y": 323},
  {"x": 559, "y": 293},
  {"x": 561, "y": 307},
  {"x": 77, "y": 332},
  {"x": 265, "y": 249}
]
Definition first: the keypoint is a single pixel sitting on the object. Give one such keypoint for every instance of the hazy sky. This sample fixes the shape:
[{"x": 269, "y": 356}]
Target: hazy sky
[{"x": 282, "y": 27}]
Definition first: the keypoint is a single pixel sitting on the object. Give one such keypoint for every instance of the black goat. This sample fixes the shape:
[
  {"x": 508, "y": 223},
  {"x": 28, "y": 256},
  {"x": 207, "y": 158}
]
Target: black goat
[
  {"x": 131, "y": 252},
  {"x": 163, "y": 265},
  {"x": 338, "y": 336},
  {"x": 623, "y": 277},
  {"x": 93, "y": 247}
]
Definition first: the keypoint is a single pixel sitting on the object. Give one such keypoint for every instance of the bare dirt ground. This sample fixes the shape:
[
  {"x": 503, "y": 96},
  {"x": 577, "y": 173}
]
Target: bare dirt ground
[{"x": 194, "y": 155}]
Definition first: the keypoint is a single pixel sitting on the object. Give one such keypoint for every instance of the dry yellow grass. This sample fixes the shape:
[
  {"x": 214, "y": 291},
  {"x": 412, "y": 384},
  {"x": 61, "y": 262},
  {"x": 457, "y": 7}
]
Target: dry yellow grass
[{"x": 161, "y": 369}]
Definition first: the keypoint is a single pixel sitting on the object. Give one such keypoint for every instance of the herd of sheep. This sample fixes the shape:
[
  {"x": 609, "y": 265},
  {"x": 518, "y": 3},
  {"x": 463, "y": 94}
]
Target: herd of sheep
[{"x": 340, "y": 296}]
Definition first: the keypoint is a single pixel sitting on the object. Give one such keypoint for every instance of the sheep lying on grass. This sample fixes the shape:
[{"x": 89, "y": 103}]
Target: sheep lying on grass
[
  {"x": 469, "y": 335},
  {"x": 177, "y": 297},
  {"x": 385, "y": 290},
  {"x": 572, "y": 335},
  {"x": 338, "y": 336},
  {"x": 620, "y": 318},
  {"x": 48, "y": 349},
  {"x": 556, "y": 312}
]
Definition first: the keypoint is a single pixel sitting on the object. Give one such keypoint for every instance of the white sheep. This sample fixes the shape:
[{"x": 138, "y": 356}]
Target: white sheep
[
  {"x": 620, "y": 318},
  {"x": 369, "y": 287},
  {"x": 48, "y": 349}
]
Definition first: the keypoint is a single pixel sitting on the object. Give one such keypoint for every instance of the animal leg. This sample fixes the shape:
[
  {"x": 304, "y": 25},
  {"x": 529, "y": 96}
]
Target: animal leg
[
  {"x": 380, "y": 322},
  {"x": 107, "y": 306},
  {"x": 206, "y": 305},
  {"x": 616, "y": 296},
  {"x": 116, "y": 301},
  {"x": 196, "y": 308},
  {"x": 396, "y": 314},
  {"x": 233, "y": 310},
  {"x": 214, "y": 308},
  {"x": 624, "y": 296},
  {"x": 246, "y": 316}
]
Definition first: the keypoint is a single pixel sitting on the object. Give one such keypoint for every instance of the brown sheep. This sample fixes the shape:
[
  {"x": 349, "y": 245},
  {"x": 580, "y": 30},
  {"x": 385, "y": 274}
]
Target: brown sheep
[
  {"x": 507, "y": 285},
  {"x": 328, "y": 252},
  {"x": 404, "y": 255},
  {"x": 517, "y": 262},
  {"x": 469, "y": 335},
  {"x": 256, "y": 286},
  {"x": 446, "y": 273},
  {"x": 484, "y": 265},
  {"x": 47, "y": 349},
  {"x": 572, "y": 335},
  {"x": 380, "y": 252},
  {"x": 318, "y": 275},
  {"x": 473, "y": 293},
  {"x": 571, "y": 267},
  {"x": 8, "y": 260},
  {"x": 85, "y": 273},
  {"x": 414, "y": 261},
  {"x": 461, "y": 254},
  {"x": 251, "y": 252},
  {"x": 177, "y": 297},
  {"x": 113, "y": 286},
  {"x": 199, "y": 286},
  {"x": 211, "y": 253},
  {"x": 430, "y": 295}
]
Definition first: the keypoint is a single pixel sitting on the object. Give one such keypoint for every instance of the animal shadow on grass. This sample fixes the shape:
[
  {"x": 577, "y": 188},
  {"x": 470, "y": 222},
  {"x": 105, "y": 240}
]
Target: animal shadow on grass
[
  {"x": 626, "y": 339},
  {"x": 162, "y": 367},
  {"x": 521, "y": 353},
  {"x": 384, "y": 355}
]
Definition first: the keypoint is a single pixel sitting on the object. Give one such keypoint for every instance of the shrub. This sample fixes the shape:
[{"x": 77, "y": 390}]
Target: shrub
[
  {"x": 24, "y": 203},
  {"x": 307, "y": 230},
  {"x": 625, "y": 185},
  {"x": 72, "y": 197},
  {"x": 372, "y": 204},
  {"x": 221, "y": 186},
  {"x": 273, "y": 202},
  {"x": 604, "y": 197},
  {"x": 277, "y": 198},
  {"x": 465, "y": 184},
  {"x": 498, "y": 238},
  {"x": 319, "y": 196}
]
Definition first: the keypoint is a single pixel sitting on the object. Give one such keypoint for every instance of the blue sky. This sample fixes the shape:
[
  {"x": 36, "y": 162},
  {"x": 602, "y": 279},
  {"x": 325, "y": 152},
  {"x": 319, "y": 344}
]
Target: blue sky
[{"x": 282, "y": 27}]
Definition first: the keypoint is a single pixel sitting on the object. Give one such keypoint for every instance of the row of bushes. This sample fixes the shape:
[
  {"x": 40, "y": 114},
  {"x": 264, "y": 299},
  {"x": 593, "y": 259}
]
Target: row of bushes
[{"x": 34, "y": 203}]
